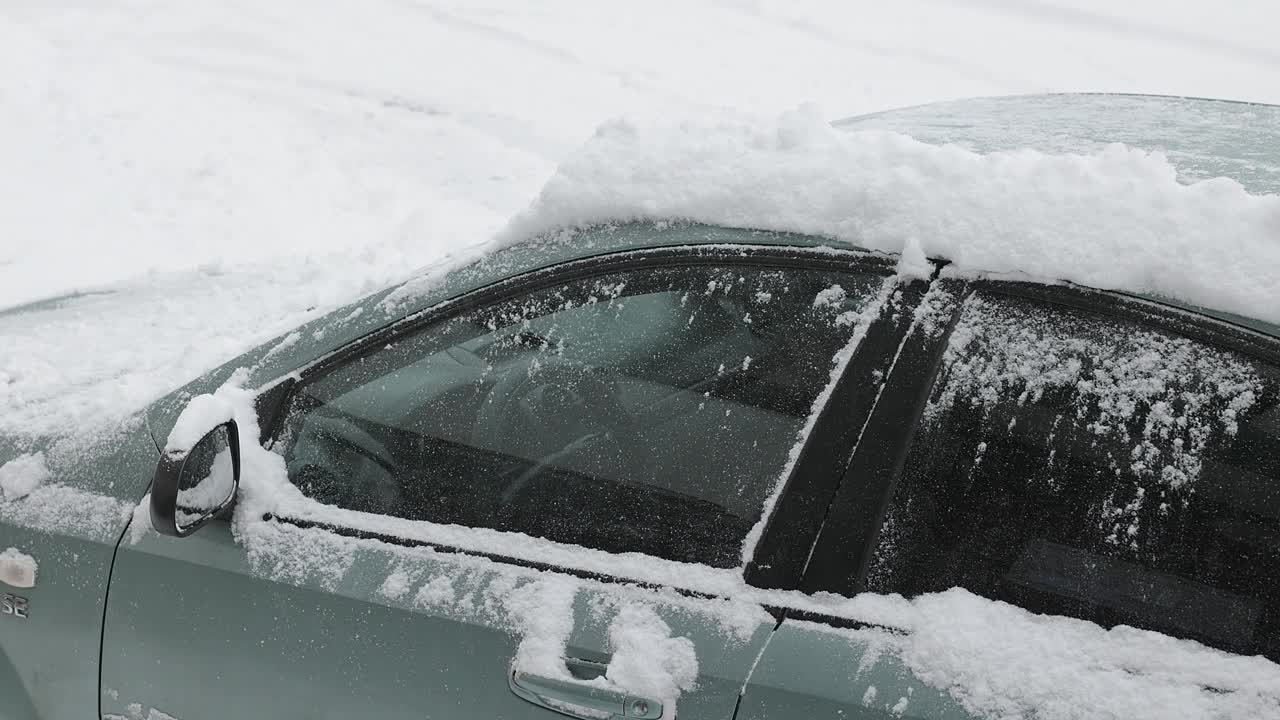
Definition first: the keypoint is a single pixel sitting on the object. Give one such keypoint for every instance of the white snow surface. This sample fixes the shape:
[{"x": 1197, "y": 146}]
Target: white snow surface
[
  {"x": 202, "y": 414},
  {"x": 1000, "y": 661},
  {"x": 67, "y": 510},
  {"x": 196, "y": 178},
  {"x": 1117, "y": 219},
  {"x": 21, "y": 475},
  {"x": 647, "y": 660},
  {"x": 17, "y": 569}
]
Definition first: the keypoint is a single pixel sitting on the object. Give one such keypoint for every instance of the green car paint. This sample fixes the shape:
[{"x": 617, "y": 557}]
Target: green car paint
[
  {"x": 815, "y": 671},
  {"x": 275, "y": 642},
  {"x": 49, "y": 661}
]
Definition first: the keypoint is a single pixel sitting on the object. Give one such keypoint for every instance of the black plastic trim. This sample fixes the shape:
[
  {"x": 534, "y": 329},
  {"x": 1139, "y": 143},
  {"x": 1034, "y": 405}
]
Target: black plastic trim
[
  {"x": 164, "y": 486},
  {"x": 451, "y": 550},
  {"x": 841, "y": 622},
  {"x": 853, "y": 520},
  {"x": 270, "y": 405},
  {"x": 794, "y": 525},
  {"x": 540, "y": 279}
]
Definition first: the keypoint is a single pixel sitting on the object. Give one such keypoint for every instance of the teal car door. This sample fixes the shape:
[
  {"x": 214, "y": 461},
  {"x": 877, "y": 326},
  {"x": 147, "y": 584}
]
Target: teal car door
[
  {"x": 1080, "y": 523},
  {"x": 535, "y": 502}
]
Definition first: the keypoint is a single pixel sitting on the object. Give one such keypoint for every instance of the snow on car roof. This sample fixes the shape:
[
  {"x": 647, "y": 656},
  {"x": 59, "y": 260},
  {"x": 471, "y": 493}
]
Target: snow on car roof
[
  {"x": 1201, "y": 138},
  {"x": 1101, "y": 214}
]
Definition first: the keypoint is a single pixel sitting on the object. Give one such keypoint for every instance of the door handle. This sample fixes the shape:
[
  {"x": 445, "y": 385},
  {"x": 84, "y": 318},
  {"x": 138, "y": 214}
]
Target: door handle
[{"x": 580, "y": 700}]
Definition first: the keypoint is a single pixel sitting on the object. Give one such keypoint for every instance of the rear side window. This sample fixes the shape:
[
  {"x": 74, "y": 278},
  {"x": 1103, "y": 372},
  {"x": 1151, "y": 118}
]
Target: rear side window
[
  {"x": 649, "y": 411},
  {"x": 1081, "y": 465}
]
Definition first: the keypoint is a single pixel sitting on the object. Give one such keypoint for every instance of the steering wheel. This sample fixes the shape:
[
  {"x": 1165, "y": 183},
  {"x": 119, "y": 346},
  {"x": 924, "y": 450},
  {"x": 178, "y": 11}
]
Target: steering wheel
[
  {"x": 336, "y": 462},
  {"x": 550, "y": 409}
]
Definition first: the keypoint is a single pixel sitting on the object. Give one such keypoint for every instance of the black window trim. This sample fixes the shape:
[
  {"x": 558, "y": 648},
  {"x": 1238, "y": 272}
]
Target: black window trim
[
  {"x": 791, "y": 531},
  {"x": 843, "y": 551},
  {"x": 275, "y": 397},
  {"x": 860, "y": 501}
]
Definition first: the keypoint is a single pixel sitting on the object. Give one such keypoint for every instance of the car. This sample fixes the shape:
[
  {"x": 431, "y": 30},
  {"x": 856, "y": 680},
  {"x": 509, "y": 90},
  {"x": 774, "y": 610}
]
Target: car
[{"x": 649, "y": 470}]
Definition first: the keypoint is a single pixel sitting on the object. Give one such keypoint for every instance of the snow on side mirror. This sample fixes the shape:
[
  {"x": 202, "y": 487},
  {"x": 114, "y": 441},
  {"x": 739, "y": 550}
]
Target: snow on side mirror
[{"x": 196, "y": 480}]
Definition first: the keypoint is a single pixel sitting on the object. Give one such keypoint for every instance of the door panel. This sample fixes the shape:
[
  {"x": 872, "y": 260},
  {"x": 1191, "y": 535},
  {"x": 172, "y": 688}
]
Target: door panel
[
  {"x": 813, "y": 671},
  {"x": 335, "y": 627}
]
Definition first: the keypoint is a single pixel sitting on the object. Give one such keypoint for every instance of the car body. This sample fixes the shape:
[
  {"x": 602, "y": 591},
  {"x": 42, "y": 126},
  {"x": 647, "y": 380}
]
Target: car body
[{"x": 810, "y": 428}]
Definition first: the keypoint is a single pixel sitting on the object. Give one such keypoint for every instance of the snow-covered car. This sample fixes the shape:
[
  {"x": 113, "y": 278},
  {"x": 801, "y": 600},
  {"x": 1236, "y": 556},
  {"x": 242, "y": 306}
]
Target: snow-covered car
[{"x": 674, "y": 469}]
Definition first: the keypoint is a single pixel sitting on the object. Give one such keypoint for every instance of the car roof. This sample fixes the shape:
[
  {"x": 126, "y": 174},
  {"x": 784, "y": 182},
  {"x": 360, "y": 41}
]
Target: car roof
[{"x": 1202, "y": 138}]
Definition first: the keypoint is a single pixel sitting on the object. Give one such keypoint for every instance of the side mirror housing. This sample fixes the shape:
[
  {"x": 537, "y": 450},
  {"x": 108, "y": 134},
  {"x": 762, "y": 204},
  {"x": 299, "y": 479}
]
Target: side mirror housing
[{"x": 192, "y": 487}]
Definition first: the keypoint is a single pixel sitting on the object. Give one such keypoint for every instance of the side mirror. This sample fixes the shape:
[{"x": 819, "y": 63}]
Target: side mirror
[{"x": 190, "y": 488}]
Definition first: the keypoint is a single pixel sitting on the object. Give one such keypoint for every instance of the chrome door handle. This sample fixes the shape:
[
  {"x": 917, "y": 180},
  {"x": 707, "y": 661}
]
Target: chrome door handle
[{"x": 580, "y": 700}]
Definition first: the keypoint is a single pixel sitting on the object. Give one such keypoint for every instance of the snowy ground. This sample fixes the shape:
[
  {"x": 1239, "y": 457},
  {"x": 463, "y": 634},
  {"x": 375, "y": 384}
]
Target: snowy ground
[{"x": 211, "y": 173}]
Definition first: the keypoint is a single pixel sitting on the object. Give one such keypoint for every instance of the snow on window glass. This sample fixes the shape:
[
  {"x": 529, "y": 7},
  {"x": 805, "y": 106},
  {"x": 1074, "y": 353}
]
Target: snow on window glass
[
  {"x": 1086, "y": 465},
  {"x": 1149, "y": 402},
  {"x": 650, "y": 411}
]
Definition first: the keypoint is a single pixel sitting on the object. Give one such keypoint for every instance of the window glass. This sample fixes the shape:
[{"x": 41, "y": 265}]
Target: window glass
[
  {"x": 1081, "y": 465},
  {"x": 647, "y": 411}
]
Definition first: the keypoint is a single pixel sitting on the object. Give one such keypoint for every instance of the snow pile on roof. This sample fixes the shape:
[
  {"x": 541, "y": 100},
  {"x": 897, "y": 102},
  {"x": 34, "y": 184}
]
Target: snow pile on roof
[
  {"x": 1000, "y": 661},
  {"x": 1117, "y": 219}
]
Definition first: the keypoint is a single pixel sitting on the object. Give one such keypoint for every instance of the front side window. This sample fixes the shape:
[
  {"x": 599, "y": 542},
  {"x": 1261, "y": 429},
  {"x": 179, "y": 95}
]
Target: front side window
[
  {"x": 650, "y": 410},
  {"x": 1081, "y": 465}
]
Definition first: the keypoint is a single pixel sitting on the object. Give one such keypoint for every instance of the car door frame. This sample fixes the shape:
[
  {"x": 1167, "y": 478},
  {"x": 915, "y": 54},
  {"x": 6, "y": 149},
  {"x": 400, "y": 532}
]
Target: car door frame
[
  {"x": 816, "y": 462},
  {"x": 793, "y": 525},
  {"x": 843, "y": 551}
]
